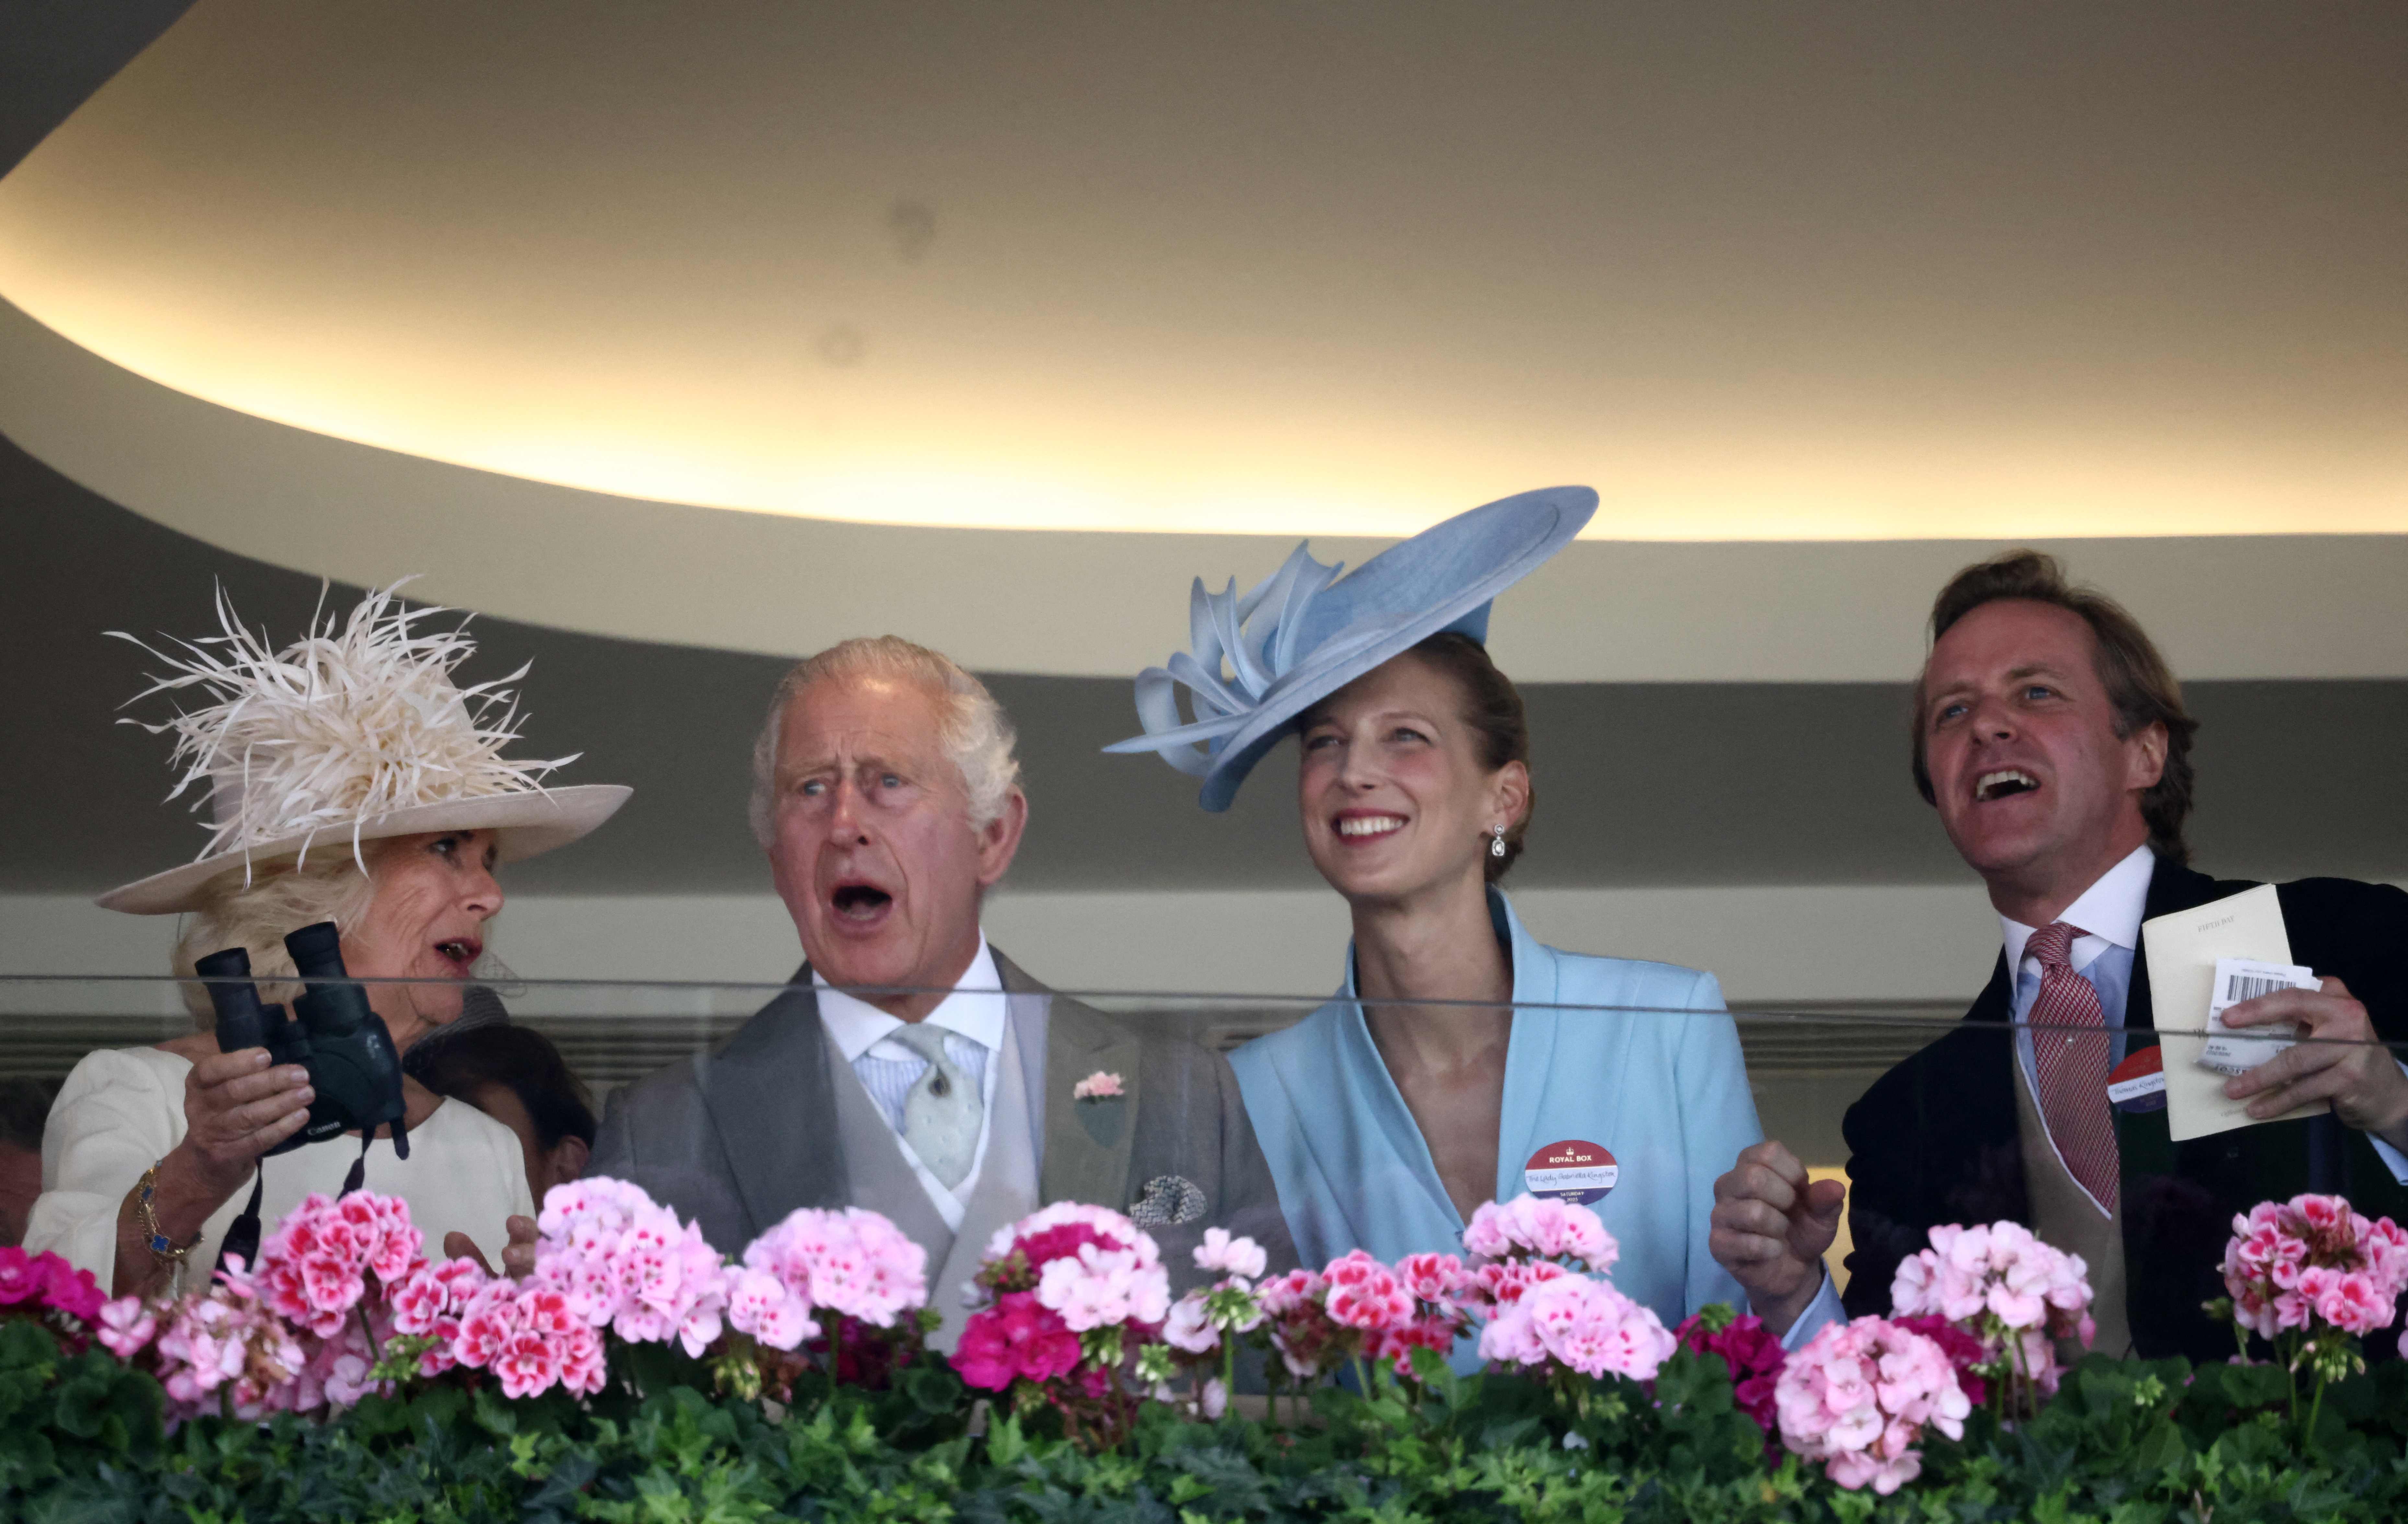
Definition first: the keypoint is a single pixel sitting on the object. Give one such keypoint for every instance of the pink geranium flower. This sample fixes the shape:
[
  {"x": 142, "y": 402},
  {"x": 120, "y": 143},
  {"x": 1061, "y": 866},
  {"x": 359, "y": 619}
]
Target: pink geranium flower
[
  {"x": 1231, "y": 1255},
  {"x": 1859, "y": 1398},
  {"x": 127, "y": 1325},
  {"x": 2291, "y": 1266},
  {"x": 316, "y": 1266},
  {"x": 1284, "y": 1293},
  {"x": 1366, "y": 1294},
  {"x": 622, "y": 1262},
  {"x": 1098, "y": 1286},
  {"x": 1434, "y": 1277},
  {"x": 846, "y": 1263},
  {"x": 1541, "y": 1227},
  {"x": 1501, "y": 1284},
  {"x": 1582, "y": 1325},
  {"x": 2004, "y": 1288}
]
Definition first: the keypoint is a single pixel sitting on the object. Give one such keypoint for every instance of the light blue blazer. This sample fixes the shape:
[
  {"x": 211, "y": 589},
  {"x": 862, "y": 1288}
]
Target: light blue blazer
[{"x": 1664, "y": 1091}]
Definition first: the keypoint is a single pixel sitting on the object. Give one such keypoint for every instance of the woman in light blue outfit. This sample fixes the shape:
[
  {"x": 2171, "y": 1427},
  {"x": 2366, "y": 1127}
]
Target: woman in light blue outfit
[{"x": 1462, "y": 1061}]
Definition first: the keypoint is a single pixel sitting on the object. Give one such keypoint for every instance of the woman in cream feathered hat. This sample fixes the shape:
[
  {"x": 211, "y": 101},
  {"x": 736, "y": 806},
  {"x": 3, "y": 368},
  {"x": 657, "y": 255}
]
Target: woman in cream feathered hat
[{"x": 348, "y": 779}]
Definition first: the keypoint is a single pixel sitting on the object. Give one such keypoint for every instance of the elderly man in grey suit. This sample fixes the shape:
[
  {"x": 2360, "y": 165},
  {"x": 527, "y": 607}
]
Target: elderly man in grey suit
[{"x": 911, "y": 1068}]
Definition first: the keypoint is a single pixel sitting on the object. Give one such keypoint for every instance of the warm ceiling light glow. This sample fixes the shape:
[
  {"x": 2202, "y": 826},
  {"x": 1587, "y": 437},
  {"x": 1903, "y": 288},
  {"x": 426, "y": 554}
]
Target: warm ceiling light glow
[
  {"x": 1251, "y": 271},
  {"x": 1158, "y": 473}
]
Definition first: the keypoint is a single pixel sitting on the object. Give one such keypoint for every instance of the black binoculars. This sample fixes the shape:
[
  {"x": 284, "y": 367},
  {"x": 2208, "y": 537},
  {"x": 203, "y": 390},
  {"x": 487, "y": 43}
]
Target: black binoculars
[{"x": 333, "y": 1034}]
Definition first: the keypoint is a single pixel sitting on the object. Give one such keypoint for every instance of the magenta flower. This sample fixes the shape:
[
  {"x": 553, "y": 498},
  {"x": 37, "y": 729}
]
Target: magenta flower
[
  {"x": 1753, "y": 1357},
  {"x": 18, "y": 1279},
  {"x": 1015, "y": 1340}
]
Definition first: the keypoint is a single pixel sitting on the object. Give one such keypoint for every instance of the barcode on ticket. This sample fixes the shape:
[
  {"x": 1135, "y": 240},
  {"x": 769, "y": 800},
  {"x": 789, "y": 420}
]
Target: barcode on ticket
[{"x": 2239, "y": 979}]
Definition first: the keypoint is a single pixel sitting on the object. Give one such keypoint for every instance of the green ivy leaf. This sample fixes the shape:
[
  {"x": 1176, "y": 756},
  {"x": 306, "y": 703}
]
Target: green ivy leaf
[{"x": 1004, "y": 1444}]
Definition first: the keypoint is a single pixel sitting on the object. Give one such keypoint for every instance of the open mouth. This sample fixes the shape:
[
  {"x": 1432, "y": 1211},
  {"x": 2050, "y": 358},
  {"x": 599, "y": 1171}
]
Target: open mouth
[
  {"x": 2003, "y": 783},
  {"x": 860, "y": 902},
  {"x": 461, "y": 952},
  {"x": 1367, "y": 827}
]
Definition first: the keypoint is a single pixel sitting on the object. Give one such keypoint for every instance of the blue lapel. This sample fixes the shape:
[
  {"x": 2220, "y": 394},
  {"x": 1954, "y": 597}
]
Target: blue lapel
[{"x": 1530, "y": 1052}]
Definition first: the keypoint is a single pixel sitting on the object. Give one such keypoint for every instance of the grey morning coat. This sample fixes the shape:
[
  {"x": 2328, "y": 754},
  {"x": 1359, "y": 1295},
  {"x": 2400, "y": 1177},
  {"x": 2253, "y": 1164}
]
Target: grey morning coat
[{"x": 773, "y": 1119}]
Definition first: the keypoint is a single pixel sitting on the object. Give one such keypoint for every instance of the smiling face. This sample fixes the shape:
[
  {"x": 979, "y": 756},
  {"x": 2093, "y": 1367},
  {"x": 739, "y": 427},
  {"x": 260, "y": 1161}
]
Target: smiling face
[
  {"x": 434, "y": 895},
  {"x": 1396, "y": 799},
  {"x": 871, "y": 842},
  {"x": 2034, "y": 786}
]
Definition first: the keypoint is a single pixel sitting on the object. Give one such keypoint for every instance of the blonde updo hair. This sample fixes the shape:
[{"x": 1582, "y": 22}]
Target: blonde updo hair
[{"x": 280, "y": 897}]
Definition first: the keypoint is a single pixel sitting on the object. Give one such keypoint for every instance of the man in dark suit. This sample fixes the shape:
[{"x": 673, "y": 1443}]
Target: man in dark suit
[
  {"x": 911, "y": 1068},
  {"x": 2052, "y": 738}
]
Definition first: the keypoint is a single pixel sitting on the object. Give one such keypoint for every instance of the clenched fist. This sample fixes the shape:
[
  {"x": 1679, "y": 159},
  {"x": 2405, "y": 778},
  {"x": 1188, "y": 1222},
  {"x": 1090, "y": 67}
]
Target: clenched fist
[{"x": 1770, "y": 1228}]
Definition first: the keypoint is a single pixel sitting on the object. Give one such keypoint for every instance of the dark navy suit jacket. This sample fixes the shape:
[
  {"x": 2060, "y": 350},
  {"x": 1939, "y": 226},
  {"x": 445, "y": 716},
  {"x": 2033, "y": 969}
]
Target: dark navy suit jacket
[{"x": 1934, "y": 1140}]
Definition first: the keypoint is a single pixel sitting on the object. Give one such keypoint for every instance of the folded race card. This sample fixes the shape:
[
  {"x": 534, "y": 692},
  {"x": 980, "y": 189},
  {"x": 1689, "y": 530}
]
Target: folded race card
[
  {"x": 2182, "y": 949},
  {"x": 2231, "y": 1050}
]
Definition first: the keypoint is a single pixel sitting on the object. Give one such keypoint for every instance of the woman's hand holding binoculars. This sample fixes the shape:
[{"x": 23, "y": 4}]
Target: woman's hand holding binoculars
[{"x": 236, "y": 1107}]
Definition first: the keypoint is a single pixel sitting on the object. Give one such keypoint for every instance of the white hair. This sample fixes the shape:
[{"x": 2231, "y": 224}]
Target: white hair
[
  {"x": 280, "y": 897},
  {"x": 971, "y": 726}
]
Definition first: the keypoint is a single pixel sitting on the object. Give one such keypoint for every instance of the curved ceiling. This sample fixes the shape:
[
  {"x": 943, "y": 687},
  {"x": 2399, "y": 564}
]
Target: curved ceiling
[
  {"x": 1830, "y": 272},
  {"x": 1086, "y": 604}
]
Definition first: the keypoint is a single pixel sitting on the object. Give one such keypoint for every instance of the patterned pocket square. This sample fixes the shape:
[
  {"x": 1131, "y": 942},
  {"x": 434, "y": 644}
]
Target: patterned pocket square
[{"x": 1169, "y": 1199}]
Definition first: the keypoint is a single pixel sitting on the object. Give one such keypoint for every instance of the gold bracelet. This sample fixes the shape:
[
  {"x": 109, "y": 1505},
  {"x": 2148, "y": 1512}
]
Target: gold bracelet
[{"x": 168, "y": 1254}]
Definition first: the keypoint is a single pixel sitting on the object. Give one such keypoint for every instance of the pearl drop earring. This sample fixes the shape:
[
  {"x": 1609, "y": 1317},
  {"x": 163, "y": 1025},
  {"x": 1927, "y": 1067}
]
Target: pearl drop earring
[{"x": 1496, "y": 846}]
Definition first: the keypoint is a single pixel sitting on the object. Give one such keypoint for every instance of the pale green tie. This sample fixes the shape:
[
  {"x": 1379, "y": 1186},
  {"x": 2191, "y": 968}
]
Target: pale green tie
[{"x": 943, "y": 1112}]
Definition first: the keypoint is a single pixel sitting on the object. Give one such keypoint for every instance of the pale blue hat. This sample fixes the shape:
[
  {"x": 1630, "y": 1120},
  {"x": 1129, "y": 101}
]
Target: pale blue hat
[{"x": 1304, "y": 632}]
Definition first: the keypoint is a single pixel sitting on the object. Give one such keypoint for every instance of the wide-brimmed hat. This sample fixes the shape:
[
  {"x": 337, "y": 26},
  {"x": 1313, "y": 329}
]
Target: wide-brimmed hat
[
  {"x": 1304, "y": 632},
  {"x": 347, "y": 736}
]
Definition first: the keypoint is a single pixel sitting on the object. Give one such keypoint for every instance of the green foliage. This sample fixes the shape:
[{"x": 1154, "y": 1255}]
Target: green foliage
[{"x": 2124, "y": 1443}]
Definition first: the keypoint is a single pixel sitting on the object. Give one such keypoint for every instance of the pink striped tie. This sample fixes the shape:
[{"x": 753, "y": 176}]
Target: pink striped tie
[{"x": 2069, "y": 1040}]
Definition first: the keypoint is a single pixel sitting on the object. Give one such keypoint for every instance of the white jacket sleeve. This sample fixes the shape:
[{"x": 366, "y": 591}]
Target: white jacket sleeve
[{"x": 120, "y": 1112}]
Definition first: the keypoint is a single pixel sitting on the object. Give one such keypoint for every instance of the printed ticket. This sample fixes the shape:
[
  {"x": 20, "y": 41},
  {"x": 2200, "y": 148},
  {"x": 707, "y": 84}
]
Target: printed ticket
[
  {"x": 2239, "y": 1050},
  {"x": 2182, "y": 949}
]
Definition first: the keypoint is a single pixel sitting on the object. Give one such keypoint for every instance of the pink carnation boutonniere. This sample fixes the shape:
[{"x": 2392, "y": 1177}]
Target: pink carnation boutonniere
[{"x": 1101, "y": 1107}]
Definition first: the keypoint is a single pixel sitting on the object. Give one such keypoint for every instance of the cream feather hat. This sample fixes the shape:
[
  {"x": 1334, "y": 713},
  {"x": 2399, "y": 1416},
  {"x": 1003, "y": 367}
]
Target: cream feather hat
[{"x": 350, "y": 734}]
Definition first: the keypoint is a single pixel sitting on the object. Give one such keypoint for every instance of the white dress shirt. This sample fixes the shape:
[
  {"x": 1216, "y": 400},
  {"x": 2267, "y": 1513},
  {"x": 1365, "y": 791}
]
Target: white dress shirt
[
  {"x": 975, "y": 1018},
  {"x": 2109, "y": 912}
]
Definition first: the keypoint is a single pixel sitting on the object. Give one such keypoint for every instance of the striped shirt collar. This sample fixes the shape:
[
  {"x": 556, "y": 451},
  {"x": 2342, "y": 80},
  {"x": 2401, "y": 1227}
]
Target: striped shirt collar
[{"x": 974, "y": 1009}]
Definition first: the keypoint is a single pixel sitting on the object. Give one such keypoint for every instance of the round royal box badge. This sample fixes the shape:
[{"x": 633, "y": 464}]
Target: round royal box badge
[
  {"x": 1573, "y": 1170},
  {"x": 2138, "y": 1082}
]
